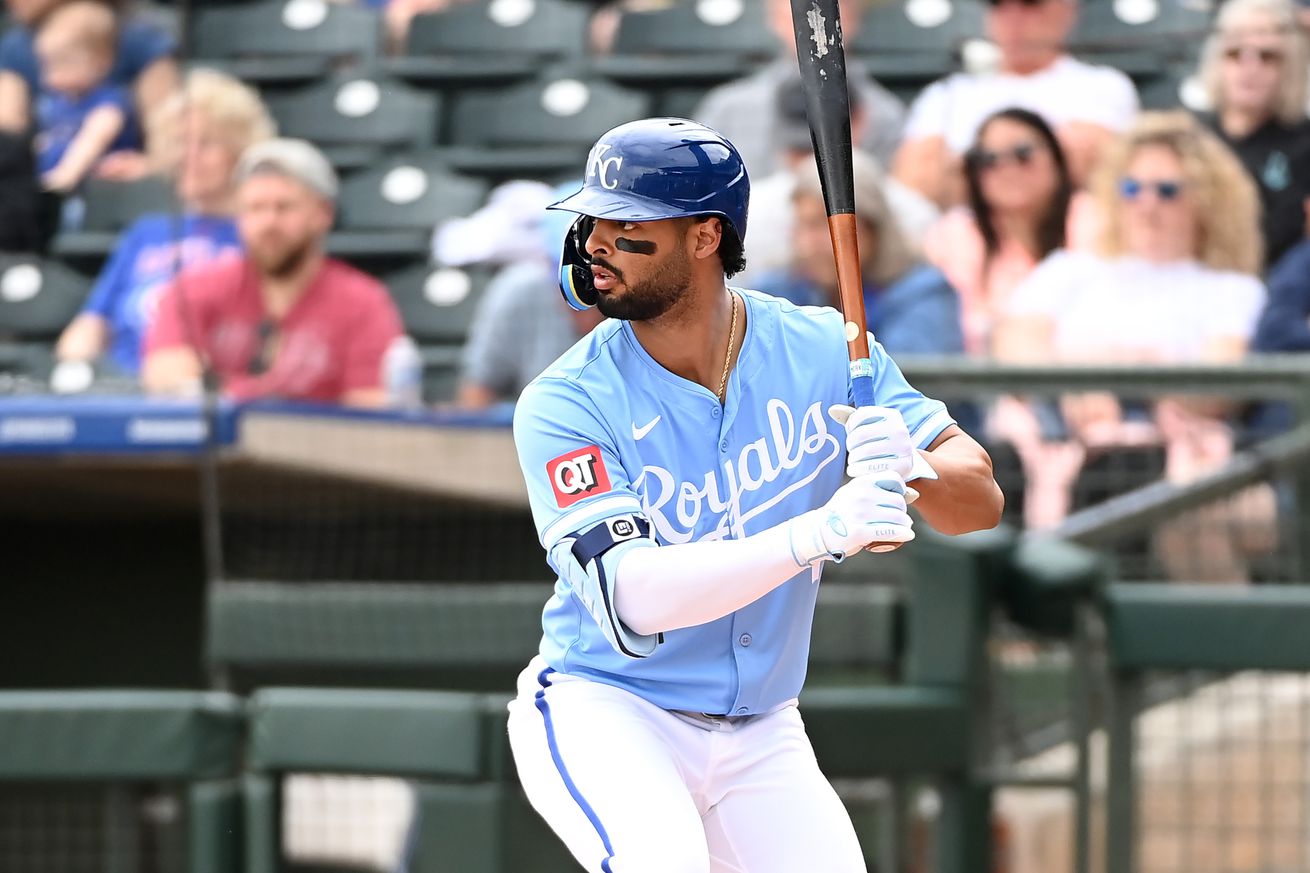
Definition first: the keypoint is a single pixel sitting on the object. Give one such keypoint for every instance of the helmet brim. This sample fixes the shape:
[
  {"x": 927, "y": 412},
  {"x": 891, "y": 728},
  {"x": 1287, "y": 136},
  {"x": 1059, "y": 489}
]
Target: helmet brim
[{"x": 618, "y": 206}]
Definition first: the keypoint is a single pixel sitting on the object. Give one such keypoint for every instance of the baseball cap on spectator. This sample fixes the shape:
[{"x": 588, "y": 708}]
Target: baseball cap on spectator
[
  {"x": 793, "y": 126},
  {"x": 293, "y": 158}
]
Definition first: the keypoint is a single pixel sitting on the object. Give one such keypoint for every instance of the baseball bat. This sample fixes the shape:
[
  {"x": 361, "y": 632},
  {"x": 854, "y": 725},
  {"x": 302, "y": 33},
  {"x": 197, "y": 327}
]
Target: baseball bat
[{"x": 822, "y": 59}]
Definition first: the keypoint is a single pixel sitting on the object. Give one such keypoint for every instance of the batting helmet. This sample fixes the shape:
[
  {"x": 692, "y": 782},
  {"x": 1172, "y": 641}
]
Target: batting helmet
[{"x": 648, "y": 170}]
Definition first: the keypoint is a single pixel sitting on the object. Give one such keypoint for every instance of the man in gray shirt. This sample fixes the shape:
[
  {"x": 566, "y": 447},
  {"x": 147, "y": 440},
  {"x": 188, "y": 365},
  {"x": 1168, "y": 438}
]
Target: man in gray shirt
[{"x": 745, "y": 111}]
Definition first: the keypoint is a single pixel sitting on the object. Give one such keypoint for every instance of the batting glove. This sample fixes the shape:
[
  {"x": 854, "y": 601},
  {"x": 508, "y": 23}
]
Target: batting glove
[
  {"x": 868, "y": 511},
  {"x": 877, "y": 441}
]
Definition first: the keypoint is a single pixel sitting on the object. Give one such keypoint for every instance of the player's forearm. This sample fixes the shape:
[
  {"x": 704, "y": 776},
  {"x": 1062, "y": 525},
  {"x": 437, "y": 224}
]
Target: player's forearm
[
  {"x": 965, "y": 496},
  {"x": 662, "y": 589}
]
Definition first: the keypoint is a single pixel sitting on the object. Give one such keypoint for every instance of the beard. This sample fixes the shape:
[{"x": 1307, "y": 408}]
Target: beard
[
  {"x": 283, "y": 261},
  {"x": 651, "y": 297}
]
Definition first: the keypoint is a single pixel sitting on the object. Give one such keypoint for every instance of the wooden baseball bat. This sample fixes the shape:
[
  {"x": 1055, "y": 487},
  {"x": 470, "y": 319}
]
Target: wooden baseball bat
[{"x": 822, "y": 60}]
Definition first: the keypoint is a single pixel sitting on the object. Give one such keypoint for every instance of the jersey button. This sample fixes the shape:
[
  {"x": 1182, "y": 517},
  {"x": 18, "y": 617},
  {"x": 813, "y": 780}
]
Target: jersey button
[
  {"x": 745, "y": 640},
  {"x": 741, "y": 710},
  {"x": 715, "y": 412},
  {"x": 723, "y": 446}
]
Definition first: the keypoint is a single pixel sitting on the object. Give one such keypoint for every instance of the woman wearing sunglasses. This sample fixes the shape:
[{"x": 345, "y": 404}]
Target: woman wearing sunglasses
[
  {"x": 1020, "y": 198},
  {"x": 1172, "y": 280},
  {"x": 1254, "y": 68}
]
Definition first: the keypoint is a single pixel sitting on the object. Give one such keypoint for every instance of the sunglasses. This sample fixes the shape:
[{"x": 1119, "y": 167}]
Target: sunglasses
[
  {"x": 1020, "y": 155},
  {"x": 1167, "y": 190},
  {"x": 1267, "y": 57}
]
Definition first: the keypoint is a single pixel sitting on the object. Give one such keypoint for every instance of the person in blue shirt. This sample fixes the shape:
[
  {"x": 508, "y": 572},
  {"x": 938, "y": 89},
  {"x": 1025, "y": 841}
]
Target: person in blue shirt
[
  {"x": 80, "y": 116},
  {"x": 686, "y": 465},
  {"x": 143, "y": 63},
  {"x": 909, "y": 306},
  {"x": 208, "y": 124}
]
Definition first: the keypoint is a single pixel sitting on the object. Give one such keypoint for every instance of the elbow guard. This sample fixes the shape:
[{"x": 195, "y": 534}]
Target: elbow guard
[{"x": 588, "y": 559}]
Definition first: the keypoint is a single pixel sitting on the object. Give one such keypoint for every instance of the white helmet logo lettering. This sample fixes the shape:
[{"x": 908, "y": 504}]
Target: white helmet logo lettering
[
  {"x": 577, "y": 475},
  {"x": 605, "y": 170}
]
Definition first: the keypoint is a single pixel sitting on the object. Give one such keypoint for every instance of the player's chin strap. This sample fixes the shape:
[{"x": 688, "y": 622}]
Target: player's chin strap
[{"x": 575, "y": 279}]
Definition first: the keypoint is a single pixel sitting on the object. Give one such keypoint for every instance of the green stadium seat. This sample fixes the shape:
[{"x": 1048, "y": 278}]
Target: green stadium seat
[
  {"x": 549, "y": 123},
  {"x": 75, "y": 765},
  {"x": 691, "y": 27},
  {"x": 696, "y": 41},
  {"x": 282, "y": 41},
  {"x": 38, "y": 297},
  {"x": 391, "y": 210},
  {"x": 452, "y": 747},
  {"x": 916, "y": 41},
  {"x": 491, "y": 42},
  {"x": 1140, "y": 35},
  {"x": 354, "y": 118},
  {"x": 110, "y": 208},
  {"x": 438, "y": 303}
]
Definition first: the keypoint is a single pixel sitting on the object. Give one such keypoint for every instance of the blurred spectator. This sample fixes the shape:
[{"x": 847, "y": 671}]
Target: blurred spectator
[
  {"x": 143, "y": 62},
  {"x": 1285, "y": 323},
  {"x": 507, "y": 229},
  {"x": 397, "y": 15},
  {"x": 80, "y": 116},
  {"x": 1021, "y": 207},
  {"x": 522, "y": 324},
  {"x": 1254, "y": 67},
  {"x": 285, "y": 320},
  {"x": 200, "y": 133},
  {"x": 768, "y": 247},
  {"x": 909, "y": 305},
  {"x": 746, "y": 111},
  {"x": 1173, "y": 281},
  {"x": 1085, "y": 103}
]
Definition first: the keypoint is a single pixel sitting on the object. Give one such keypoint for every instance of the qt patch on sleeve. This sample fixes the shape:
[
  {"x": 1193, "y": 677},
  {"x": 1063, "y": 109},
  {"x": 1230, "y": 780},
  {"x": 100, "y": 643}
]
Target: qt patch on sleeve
[{"x": 577, "y": 475}]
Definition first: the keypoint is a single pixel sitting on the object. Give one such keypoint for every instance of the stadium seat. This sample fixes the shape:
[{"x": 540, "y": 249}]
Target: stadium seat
[
  {"x": 110, "y": 207},
  {"x": 450, "y": 746},
  {"x": 1140, "y": 36},
  {"x": 38, "y": 297},
  {"x": 916, "y": 40},
  {"x": 543, "y": 127},
  {"x": 437, "y": 303},
  {"x": 390, "y": 211},
  {"x": 282, "y": 41},
  {"x": 79, "y": 769},
  {"x": 702, "y": 41},
  {"x": 354, "y": 118},
  {"x": 491, "y": 42}
]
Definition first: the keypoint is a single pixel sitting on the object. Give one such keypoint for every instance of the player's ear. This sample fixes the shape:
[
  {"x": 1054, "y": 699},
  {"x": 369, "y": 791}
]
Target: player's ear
[{"x": 707, "y": 233}]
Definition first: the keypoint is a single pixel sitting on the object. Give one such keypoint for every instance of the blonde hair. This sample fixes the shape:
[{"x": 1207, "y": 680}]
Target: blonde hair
[
  {"x": 895, "y": 253},
  {"x": 88, "y": 22},
  {"x": 235, "y": 109},
  {"x": 1225, "y": 202},
  {"x": 1270, "y": 16}
]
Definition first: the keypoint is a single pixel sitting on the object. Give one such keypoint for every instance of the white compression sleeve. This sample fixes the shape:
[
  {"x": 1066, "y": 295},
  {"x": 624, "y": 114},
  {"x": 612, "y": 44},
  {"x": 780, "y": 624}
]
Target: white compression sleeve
[{"x": 662, "y": 589}]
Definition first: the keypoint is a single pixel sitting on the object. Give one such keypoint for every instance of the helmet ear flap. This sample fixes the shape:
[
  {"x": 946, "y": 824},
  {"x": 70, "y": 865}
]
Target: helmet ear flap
[{"x": 575, "y": 279}]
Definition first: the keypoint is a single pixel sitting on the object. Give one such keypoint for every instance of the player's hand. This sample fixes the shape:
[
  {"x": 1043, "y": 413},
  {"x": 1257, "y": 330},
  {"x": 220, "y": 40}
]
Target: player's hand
[
  {"x": 867, "y": 512},
  {"x": 877, "y": 440}
]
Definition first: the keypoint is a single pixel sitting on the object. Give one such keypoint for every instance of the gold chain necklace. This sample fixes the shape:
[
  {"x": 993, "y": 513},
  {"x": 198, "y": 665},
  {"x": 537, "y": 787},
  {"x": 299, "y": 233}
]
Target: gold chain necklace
[{"x": 732, "y": 339}]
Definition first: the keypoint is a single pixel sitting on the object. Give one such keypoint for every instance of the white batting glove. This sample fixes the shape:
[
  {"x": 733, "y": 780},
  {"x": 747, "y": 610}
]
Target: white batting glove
[
  {"x": 877, "y": 441},
  {"x": 868, "y": 511}
]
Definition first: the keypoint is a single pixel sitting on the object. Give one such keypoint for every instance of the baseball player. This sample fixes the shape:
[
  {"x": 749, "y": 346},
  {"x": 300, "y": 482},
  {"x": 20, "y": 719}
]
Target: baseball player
[{"x": 685, "y": 464}]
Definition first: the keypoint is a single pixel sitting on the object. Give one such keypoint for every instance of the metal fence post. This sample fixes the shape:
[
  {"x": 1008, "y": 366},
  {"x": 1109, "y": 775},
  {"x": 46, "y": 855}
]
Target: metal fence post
[{"x": 1121, "y": 787}]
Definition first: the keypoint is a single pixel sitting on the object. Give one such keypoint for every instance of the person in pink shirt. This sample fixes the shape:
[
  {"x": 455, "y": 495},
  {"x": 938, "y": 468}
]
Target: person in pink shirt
[
  {"x": 283, "y": 320},
  {"x": 1022, "y": 206}
]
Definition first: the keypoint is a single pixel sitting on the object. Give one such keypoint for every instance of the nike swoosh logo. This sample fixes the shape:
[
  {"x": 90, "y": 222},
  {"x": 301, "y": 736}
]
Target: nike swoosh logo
[{"x": 640, "y": 432}]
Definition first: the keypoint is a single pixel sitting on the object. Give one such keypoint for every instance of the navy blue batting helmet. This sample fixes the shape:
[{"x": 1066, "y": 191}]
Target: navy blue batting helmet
[{"x": 648, "y": 170}]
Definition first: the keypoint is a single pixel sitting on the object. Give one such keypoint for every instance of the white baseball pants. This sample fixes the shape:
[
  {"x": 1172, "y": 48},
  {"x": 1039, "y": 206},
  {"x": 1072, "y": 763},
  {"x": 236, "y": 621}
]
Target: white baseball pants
[{"x": 631, "y": 788}]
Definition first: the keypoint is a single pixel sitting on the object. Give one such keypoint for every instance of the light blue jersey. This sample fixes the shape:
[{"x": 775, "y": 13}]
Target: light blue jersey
[{"x": 606, "y": 431}]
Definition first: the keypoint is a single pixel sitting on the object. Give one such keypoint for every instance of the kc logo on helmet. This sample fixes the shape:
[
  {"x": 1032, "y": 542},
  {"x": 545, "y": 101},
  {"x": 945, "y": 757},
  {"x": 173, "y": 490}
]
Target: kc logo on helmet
[
  {"x": 601, "y": 167},
  {"x": 578, "y": 475}
]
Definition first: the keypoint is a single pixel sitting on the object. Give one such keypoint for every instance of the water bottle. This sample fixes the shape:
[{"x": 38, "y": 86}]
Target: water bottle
[{"x": 402, "y": 374}]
